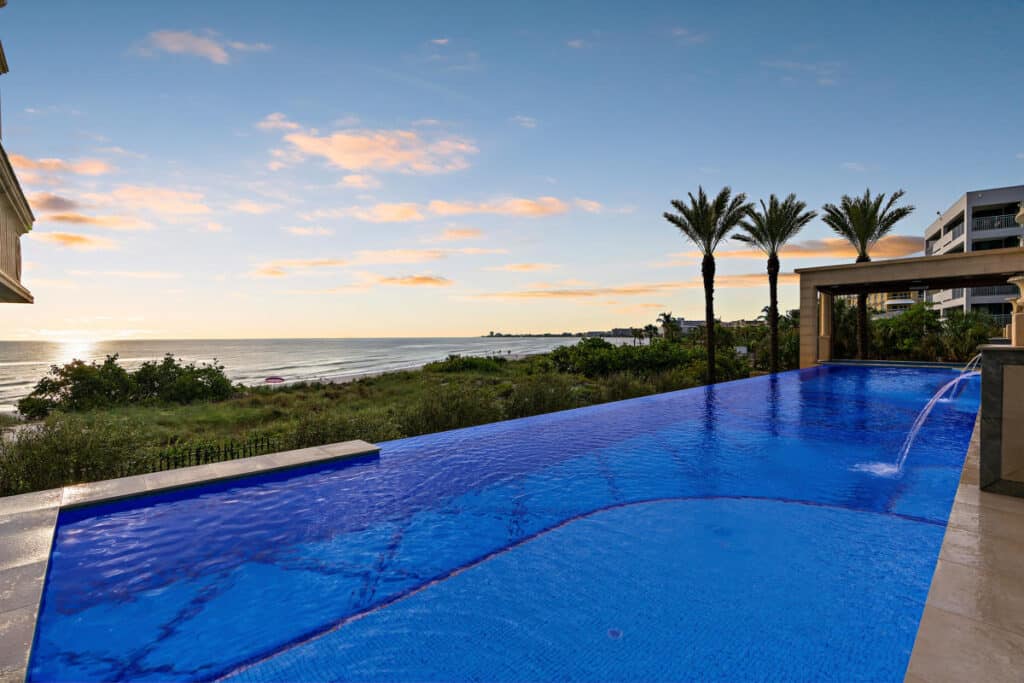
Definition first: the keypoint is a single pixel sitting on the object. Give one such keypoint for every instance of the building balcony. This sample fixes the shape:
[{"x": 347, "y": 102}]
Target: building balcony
[
  {"x": 1002, "y": 291},
  {"x": 994, "y": 222},
  {"x": 15, "y": 220}
]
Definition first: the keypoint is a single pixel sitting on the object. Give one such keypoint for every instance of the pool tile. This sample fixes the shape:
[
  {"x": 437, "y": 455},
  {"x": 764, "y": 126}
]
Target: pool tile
[
  {"x": 951, "y": 647},
  {"x": 988, "y": 521},
  {"x": 110, "y": 489},
  {"x": 21, "y": 586},
  {"x": 977, "y": 593},
  {"x": 987, "y": 554},
  {"x": 26, "y": 537},
  {"x": 29, "y": 502},
  {"x": 16, "y": 629}
]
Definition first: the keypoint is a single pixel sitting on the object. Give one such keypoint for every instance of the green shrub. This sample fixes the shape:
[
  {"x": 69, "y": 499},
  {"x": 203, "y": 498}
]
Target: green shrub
[
  {"x": 451, "y": 407},
  {"x": 457, "y": 363},
  {"x": 595, "y": 357},
  {"x": 536, "y": 394},
  {"x": 67, "y": 449},
  {"x": 79, "y": 386}
]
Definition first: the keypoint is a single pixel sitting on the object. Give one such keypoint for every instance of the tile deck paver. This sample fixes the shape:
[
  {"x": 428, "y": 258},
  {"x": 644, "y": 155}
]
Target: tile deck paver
[
  {"x": 28, "y": 521},
  {"x": 973, "y": 623}
]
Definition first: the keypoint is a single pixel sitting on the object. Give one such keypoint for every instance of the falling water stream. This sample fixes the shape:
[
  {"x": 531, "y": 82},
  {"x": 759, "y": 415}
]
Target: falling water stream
[{"x": 895, "y": 469}]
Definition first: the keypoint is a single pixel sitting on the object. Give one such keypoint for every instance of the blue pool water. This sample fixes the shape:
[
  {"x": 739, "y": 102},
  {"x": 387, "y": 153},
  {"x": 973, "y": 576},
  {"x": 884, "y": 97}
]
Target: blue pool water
[{"x": 729, "y": 532}]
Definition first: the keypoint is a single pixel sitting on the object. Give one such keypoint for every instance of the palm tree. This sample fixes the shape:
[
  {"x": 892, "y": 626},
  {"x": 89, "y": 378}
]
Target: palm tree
[
  {"x": 707, "y": 222},
  {"x": 863, "y": 221},
  {"x": 652, "y": 332},
  {"x": 768, "y": 230},
  {"x": 668, "y": 324},
  {"x": 637, "y": 334}
]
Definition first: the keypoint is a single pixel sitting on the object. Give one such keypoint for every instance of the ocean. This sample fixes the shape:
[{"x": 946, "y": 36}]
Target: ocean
[{"x": 250, "y": 361}]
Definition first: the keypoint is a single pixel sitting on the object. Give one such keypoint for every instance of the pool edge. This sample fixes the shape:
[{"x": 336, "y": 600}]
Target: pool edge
[{"x": 28, "y": 522}]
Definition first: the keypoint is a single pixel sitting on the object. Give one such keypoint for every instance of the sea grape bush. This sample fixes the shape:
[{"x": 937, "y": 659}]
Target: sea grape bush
[{"x": 79, "y": 386}]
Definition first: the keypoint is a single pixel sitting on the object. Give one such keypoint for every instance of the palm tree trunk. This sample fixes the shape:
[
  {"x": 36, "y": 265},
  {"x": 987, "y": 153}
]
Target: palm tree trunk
[
  {"x": 862, "y": 326},
  {"x": 707, "y": 269},
  {"x": 773, "y": 313},
  {"x": 862, "y": 316}
]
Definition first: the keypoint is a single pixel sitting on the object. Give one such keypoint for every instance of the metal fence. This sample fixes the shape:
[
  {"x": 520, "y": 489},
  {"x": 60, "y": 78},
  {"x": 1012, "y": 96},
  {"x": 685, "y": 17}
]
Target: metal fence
[
  {"x": 994, "y": 222},
  {"x": 185, "y": 455}
]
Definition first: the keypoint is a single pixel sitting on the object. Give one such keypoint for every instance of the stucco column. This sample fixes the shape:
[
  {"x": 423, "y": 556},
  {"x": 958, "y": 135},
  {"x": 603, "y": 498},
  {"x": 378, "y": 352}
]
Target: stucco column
[
  {"x": 808, "y": 323},
  {"x": 1017, "y": 319},
  {"x": 824, "y": 327}
]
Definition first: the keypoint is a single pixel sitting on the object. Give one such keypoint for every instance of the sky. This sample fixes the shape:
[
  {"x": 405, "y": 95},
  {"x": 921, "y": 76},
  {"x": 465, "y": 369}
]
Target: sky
[{"x": 335, "y": 169}]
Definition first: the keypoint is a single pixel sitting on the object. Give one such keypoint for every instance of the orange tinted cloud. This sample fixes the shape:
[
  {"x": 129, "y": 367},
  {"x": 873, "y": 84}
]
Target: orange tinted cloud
[
  {"x": 46, "y": 201},
  {"x": 416, "y": 281},
  {"x": 589, "y": 205},
  {"x": 254, "y": 208},
  {"x": 74, "y": 241},
  {"x": 515, "y": 206},
  {"x": 89, "y": 167},
  {"x": 360, "y": 181},
  {"x": 639, "y": 289},
  {"x": 387, "y": 213},
  {"x": 159, "y": 200},
  {"x": 386, "y": 150},
  {"x": 109, "y": 222},
  {"x": 457, "y": 235},
  {"x": 525, "y": 267}
]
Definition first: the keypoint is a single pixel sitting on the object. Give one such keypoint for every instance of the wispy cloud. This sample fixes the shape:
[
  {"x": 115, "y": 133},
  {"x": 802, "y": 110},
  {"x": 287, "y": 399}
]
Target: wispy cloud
[
  {"x": 86, "y": 167},
  {"x": 514, "y": 206},
  {"x": 854, "y": 166},
  {"x": 576, "y": 43},
  {"x": 457, "y": 235},
  {"x": 589, "y": 205},
  {"x": 365, "y": 257},
  {"x": 209, "y": 45},
  {"x": 167, "y": 202},
  {"x": 395, "y": 150},
  {"x": 688, "y": 36},
  {"x": 638, "y": 289},
  {"x": 46, "y": 201},
  {"x": 131, "y": 274},
  {"x": 254, "y": 208},
  {"x": 416, "y": 281},
  {"x": 823, "y": 73},
  {"x": 308, "y": 231},
  {"x": 126, "y": 223},
  {"x": 387, "y": 213},
  {"x": 524, "y": 121},
  {"x": 360, "y": 181},
  {"x": 440, "y": 41},
  {"x": 73, "y": 240},
  {"x": 525, "y": 267}
]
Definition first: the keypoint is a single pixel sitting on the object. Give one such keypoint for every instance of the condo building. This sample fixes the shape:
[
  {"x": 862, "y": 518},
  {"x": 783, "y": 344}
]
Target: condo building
[{"x": 978, "y": 220}]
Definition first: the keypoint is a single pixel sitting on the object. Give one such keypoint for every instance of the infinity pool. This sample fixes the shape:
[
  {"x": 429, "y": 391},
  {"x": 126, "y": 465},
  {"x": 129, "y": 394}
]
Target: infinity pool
[{"x": 743, "y": 531}]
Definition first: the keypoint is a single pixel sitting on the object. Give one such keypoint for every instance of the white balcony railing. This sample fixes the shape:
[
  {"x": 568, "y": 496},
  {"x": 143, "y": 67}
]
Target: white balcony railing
[
  {"x": 999, "y": 290},
  {"x": 994, "y": 222}
]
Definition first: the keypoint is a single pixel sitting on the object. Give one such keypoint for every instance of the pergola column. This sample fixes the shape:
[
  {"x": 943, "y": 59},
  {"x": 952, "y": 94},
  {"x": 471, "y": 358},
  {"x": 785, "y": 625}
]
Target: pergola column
[
  {"x": 1017, "y": 319},
  {"x": 824, "y": 327},
  {"x": 808, "y": 323}
]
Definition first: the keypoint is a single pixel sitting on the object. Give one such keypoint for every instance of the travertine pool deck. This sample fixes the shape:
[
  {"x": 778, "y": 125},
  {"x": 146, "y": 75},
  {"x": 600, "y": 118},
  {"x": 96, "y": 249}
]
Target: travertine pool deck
[
  {"x": 973, "y": 623},
  {"x": 28, "y": 521}
]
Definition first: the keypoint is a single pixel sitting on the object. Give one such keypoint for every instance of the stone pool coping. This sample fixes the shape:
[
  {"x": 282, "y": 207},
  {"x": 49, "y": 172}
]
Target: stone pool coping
[
  {"x": 972, "y": 628},
  {"x": 28, "y": 522}
]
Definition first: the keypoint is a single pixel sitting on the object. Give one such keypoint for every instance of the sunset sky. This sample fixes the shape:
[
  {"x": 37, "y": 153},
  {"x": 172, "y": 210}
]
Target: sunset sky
[{"x": 334, "y": 169}]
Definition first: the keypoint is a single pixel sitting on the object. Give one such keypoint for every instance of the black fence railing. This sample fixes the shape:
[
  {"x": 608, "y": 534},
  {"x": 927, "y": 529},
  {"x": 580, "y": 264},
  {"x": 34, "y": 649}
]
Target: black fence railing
[{"x": 186, "y": 455}]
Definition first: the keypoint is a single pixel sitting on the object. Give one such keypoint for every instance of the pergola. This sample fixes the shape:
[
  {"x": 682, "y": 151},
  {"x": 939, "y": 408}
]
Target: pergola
[{"x": 949, "y": 271}]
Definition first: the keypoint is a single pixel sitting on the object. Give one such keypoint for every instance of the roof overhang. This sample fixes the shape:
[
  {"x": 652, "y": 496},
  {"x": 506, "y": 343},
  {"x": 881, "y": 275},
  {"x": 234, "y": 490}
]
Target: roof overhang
[
  {"x": 3, "y": 57},
  {"x": 13, "y": 292},
  {"x": 987, "y": 268}
]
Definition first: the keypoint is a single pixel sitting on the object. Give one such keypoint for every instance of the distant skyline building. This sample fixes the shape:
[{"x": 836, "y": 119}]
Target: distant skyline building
[
  {"x": 978, "y": 220},
  {"x": 16, "y": 219}
]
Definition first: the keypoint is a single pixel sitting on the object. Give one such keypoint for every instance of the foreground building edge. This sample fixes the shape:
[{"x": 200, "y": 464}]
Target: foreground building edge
[{"x": 28, "y": 523}]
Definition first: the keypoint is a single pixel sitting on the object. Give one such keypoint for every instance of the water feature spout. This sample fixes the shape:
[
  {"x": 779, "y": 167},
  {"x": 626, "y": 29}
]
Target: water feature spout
[{"x": 895, "y": 469}]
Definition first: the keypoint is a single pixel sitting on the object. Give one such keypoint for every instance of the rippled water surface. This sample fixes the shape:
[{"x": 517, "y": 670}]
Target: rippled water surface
[{"x": 726, "y": 533}]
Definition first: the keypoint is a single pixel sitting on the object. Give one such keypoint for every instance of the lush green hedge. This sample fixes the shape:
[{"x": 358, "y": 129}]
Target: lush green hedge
[{"x": 79, "y": 386}]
